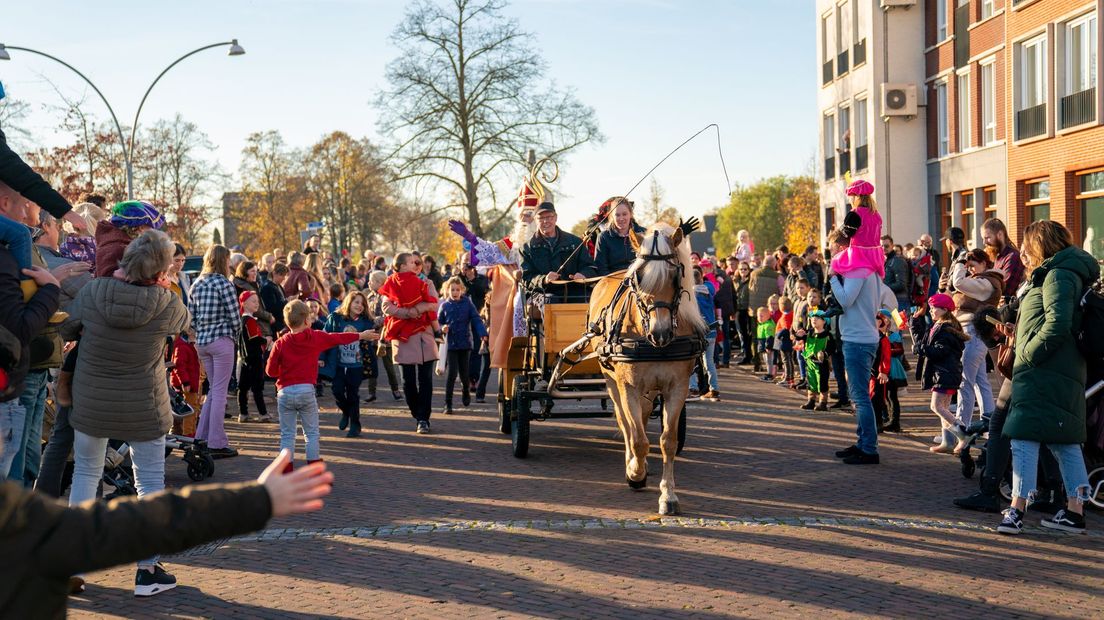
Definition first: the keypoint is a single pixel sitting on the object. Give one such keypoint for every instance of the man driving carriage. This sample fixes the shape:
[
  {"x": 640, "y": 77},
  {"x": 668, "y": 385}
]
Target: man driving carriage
[{"x": 553, "y": 255}]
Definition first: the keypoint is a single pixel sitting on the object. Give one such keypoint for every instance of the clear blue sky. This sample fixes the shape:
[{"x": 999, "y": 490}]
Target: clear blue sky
[{"x": 655, "y": 71}]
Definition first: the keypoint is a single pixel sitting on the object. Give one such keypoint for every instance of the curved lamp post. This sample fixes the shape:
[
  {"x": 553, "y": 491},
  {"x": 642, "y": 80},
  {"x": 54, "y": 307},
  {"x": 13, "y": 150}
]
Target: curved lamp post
[{"x": 127, "y": 146}]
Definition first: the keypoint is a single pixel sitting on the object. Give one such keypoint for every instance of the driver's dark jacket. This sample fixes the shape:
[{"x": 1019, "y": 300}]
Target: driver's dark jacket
[{"x": 545, "y": 254}]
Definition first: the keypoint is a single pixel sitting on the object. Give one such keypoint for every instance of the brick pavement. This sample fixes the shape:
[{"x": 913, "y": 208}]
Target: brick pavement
[{"x": 450, "y": 524}]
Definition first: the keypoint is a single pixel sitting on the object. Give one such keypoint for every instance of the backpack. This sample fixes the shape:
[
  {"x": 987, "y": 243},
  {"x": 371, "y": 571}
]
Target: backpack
[{"x": 1090, "y": 333}]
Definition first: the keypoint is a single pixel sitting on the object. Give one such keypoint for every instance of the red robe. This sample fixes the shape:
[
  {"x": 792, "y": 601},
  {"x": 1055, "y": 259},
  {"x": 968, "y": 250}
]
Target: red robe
[{"x": 406, "y": 290}]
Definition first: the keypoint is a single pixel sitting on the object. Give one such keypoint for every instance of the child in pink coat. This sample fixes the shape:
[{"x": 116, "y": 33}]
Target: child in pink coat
[{"x": 864, "y": 227}]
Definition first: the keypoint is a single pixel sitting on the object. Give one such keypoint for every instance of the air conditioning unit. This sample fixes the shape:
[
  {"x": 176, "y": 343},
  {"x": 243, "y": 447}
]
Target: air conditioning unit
[
  {"x": 890, "y": 4},
  {"x": 898, "y": 99}
]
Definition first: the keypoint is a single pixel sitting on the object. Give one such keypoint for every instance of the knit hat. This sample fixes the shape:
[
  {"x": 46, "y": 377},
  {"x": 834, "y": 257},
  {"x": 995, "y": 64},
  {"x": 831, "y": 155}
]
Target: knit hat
[
  {"x": 889, "y": 317},
  {"x": 942, "y": 300},
  {"x": 244, "y": 297},
  {"x": 860, "y": 187},
  {"x": 135, "y": 213}
]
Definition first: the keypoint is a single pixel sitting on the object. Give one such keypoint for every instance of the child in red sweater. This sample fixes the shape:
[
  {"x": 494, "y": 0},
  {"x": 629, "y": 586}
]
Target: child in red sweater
[
  {"x": 293, "y": 362},
  {"x": 185, "y": 378}
]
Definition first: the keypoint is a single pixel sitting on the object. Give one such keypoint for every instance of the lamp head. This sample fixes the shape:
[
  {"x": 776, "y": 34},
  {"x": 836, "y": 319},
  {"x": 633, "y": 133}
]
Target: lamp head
[
  {"x": 235, "y": 49},
  {"x": 4, "y": 55}
]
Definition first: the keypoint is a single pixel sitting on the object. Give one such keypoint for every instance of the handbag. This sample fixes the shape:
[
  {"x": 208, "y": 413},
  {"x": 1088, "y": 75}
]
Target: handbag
[{"x": 442, "y": 357}]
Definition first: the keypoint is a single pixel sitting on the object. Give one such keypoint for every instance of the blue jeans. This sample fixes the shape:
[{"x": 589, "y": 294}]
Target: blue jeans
[
  {"x": 18, "y": 239},
  {"x": 1025, "y": 463},
  {"x": 858, "y": 359},
  {"x": 843, "y": 392},
  {"x": 28, "y": 456},
  {"x": 148, "y": 458},
  {"x": 975, "y": 381},
  {"x": 12, "y": 416},
  {"x": 710, "y": 366},
  {"x": 297, "y": 405}
]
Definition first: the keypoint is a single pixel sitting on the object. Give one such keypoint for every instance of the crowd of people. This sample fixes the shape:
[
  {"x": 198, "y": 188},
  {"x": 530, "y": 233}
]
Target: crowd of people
[{"x": 98, "y": 311}]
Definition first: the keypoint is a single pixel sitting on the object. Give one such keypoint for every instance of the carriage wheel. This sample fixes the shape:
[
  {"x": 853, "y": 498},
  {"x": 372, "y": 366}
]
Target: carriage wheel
[
  {"x": 504, "y": 405},
  {"x": 1096, "y": 479},
  {"x": 519, "y": 427}
]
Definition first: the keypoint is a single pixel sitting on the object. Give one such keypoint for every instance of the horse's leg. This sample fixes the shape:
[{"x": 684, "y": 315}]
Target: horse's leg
[
  {"x": 673, "y": 402},
  {"x": 636, "y": 439}
]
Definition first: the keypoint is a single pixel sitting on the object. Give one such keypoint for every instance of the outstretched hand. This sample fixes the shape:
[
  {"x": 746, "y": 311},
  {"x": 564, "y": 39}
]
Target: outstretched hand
[
  {"x": 298, "y": 491},
  {"x": 690, "y": 225},
  {"x": 462, "y": 229}
]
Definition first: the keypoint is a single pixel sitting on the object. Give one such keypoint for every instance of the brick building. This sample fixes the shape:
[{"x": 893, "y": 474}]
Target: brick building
[
  {"x": 965, "y": 58},
  {"x": 1005, "y": 99},
  {"x": 1056, "y": 146}
]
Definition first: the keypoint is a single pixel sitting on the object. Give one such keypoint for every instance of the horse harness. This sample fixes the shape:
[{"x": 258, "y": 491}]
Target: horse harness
[{"x": 621, "y": 348}]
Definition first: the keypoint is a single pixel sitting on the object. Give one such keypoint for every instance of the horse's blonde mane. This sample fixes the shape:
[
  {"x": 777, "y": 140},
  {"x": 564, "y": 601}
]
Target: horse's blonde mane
[{"x": 653, "y": 279}]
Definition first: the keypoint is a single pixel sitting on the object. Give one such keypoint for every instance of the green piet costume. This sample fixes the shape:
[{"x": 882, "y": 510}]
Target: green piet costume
[{"x": 819, "y": 347}]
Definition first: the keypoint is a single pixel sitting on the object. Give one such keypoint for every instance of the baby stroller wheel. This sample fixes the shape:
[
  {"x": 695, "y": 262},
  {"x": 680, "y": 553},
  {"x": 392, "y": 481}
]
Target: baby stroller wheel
[
  {"x": 208, "y": 465},
  {"x": 196, "y": 471},
  {"x": 968, "y": 468}
]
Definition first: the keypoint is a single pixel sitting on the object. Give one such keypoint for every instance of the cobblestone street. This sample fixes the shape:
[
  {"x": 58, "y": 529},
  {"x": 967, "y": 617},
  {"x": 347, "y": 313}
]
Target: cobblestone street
[{"x": 452, "y": 525}]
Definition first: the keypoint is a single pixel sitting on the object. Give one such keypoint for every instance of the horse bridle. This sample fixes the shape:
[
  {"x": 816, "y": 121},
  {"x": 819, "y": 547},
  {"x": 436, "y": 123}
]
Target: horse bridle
[{"x": 631, "y": 284}]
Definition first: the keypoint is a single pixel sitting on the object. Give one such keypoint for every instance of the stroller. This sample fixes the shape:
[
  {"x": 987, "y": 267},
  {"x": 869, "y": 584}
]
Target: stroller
[
  {"x": 118, "y": 471},
  {"x": 1093, "y": 448}
]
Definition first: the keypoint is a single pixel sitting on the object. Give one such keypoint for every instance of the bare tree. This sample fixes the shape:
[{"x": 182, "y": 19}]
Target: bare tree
[
  {"x": 467, "y": 99},
  {"x": 174, "y": 168},
  {"x": 349, "y": 188},
  {"x": 11, "y": 112}
]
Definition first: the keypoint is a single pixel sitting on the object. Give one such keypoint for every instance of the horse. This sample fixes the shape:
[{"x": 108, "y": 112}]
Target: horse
[{"x": 652, "y": 311}]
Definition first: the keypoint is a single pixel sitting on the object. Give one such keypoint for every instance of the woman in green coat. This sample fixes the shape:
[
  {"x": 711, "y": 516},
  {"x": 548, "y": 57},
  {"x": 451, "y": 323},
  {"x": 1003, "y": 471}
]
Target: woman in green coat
[{"x": 1048, "y": 378}]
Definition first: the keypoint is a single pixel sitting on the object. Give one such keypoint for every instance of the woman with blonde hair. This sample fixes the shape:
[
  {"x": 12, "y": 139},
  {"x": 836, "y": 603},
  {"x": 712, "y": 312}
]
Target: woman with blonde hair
[
  {"x": 613, "y": 251},
  {"x": 216, "y": 322},
  {"x": 1049, "y": 374},
  {"x": 313, "y": 267}
]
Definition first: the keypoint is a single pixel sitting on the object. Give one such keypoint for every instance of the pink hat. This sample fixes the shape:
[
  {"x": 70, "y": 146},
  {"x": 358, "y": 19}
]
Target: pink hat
[
  {"x": 705, "y": 263},
  {"x": 860, "y": 187},
  {"x": 942, "y": 300}
]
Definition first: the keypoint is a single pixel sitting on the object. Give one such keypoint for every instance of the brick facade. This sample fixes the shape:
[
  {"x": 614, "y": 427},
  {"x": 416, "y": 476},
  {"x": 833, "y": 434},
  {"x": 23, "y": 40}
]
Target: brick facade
[{"x": 1057, "y": 155}]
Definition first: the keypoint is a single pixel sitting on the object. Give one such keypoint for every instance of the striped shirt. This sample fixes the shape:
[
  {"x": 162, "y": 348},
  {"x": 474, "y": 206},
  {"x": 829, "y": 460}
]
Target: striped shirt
[{"x": 214, "y": 307}]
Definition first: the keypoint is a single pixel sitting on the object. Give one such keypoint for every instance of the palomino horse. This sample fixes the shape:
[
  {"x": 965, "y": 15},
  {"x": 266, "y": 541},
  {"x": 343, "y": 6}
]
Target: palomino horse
[{"x": 649, "y": 334}]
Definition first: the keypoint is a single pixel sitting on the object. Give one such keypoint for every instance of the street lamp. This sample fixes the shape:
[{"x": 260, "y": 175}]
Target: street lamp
[{"x": 127, "y": 146}]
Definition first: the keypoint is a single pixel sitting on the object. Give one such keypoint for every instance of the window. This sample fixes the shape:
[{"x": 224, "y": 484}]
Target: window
[
  {"x": 940, "y": 20},
  {"x": 987, "y": 9},
  {"x": 1078, "y": 102},
  {"x": 967, "y": 221},
  {"x": 1090, "y": 198},
  {"x": 829, "y": 217},
  {"x": 1038, "y": 201},
  {"x": 943, "y": 141},
  {"x": 843, "y": 38},
  {"x": 989, "y": 195},
  {"x": 859, "y": 55},
  {"x": 1032, "y": 91},
  {"x": 844, "y": 148},
  {"x": 988, "y": 103},
  {"x": 829, "y": 147},
  {"x": 827, "y": 47},
  {"x": 962, "y": 90},
  {"x": 861, "y": 154}
]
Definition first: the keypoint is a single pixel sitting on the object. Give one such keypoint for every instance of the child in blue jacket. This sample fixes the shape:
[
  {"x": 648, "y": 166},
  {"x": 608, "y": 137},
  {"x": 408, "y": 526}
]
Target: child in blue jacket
[
  {"x": 346, "y": 363},
  {"x": 459, "y": 318}
]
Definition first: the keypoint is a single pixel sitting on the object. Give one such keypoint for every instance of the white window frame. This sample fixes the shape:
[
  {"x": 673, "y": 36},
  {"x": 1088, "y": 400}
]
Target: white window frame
[
  {"x": 1038, "y": 81},
  {"x": 1071, "y": 83},
  {"x": 987, "y": 99},
  {"x": 828, "y": 124},
  {"x": 942, "y": 132},
  {"x": 843, "y": 125},
  {"x": 963, "y": 116},
  {"x": 988, "y": 8},
  {"x": 825, "y": 30},
  {"x": 859, "y": 135},
  {"x": 940, "y": 21},
  {"x": 856, "y": 31},
  {"x": 840, "y": 31}
]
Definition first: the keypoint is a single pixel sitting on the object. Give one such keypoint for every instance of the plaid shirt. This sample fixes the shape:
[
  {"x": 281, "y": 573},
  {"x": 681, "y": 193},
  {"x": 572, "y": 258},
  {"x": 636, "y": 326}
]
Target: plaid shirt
[
  {"x": 1008, "y": 261},
  {"x": 214, "y": 305}
]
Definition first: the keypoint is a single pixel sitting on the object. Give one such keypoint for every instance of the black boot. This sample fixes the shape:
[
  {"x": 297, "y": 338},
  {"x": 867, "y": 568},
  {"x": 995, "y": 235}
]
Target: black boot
[
  {"x": 809, "y": 404},
  {"x": 354, "y": 426},
  {"x": 979, "y": 501},
  {"x": 344, "y": 423}
]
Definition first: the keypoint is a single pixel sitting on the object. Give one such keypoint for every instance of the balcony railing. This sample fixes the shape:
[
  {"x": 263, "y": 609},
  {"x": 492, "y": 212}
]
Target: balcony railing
[
  {"x": 844, "y": 162},
  {"x": 1031, "y": 122},
  {"x": 861, "y": 162},
  {"x": 841, "y": 63},
  {"x": 859, "y": 54},
  {"x": 826, "y": 74},
  {"x": 829, "y": 168},
  {"x": 1078, "y": 108}
]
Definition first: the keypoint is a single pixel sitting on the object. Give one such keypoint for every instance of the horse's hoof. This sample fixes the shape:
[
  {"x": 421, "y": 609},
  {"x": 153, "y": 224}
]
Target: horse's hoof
[
  {"x": 669, "y": 508},
  {"x": 636, "y": 485}
]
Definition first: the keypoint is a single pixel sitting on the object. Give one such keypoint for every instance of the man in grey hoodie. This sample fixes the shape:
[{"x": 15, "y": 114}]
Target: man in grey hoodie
[{"x": 860, "y": 300}]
